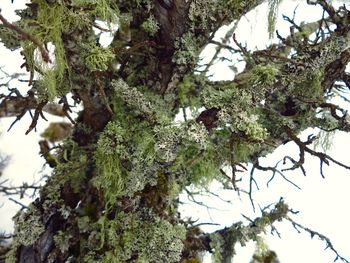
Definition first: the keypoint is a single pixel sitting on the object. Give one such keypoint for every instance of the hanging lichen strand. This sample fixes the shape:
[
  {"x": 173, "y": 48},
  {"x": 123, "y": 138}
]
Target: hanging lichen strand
[{"x": 114, "y": 193}]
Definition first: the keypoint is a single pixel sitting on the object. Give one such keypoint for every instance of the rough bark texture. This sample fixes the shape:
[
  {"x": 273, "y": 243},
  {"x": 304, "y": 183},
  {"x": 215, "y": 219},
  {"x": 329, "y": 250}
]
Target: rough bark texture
[{"x": 113, "y": 195}]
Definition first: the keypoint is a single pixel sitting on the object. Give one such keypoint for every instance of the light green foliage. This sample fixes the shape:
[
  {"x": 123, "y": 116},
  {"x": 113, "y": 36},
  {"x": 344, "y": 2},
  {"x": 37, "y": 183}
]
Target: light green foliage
[
  {"x": 311, "y": 88},
  {"x": 187, "y": 89},
  {"x": 124, "y": 31},
  {"x": 239, "y": 6},
  {"x": 206, "y": 13},
  {"x": 236, "y": 108},
  {"x": 51, "y": 22},
  {"x": 197, "y": 166},
  {"x": 244, "y": 150},
  {"x": 98, "y": 58},
  {"x": 162, "y": 242},
  {"x": 151, "y": 25},
  {"x": 324, "y": 141},
  {"x": 73, "y": 161},
  {"x": 201, "y": 12}
]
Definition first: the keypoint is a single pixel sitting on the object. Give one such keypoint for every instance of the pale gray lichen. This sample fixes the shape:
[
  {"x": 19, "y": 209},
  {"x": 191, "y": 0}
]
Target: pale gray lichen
[
  {"x": 28, "y": 226},
  {"x": 167, "y": 142},
  {"x": 62, "y": 241},
  {"x": 249, "y": 124},
  {"x": 197, "y": 133},
  {"x": 162, "y": 242},
  {"x": 111, "y": 141},
  {"x": 187, "y": 50},
  {"x": 134, "y": 99},
  {"x": 216, "y": 243}
]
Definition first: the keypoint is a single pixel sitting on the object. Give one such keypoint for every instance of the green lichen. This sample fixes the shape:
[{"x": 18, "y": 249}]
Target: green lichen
[
  {"x": 216, "y": 243},
  {"x": 151, "y": 25},
  {"x": 197, "y": 133},
  {"x": 162, "y": 242},
  {"x": 98, "y": 58},
  {"x": 28, "y": 226},
  {"x": 109, "y": 153},
  {"x": 135, "y": 100},
  {"x": 62, "y": 241},
  {"x": 249, "y": 124},
  {"x": 9, "y": 38},
  {"x": 263, "y": 76},
  {"x": 105, "y": 10},
  {"x": 50, "y": 23},
  {"x": 127, "y": 235},
  {"x": 239, "y": 6},
  {"x": 272, "y": 16},
  {"x": 187, "y": 50}
]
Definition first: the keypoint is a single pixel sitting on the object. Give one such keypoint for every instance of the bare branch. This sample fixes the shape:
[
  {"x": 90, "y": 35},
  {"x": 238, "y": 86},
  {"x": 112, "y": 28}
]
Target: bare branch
[{"x": 322, "y": 237}]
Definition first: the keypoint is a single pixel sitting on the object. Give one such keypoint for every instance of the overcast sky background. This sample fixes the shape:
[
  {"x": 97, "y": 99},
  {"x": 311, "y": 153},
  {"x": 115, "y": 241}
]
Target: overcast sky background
[{"x": 323, "y": 203}]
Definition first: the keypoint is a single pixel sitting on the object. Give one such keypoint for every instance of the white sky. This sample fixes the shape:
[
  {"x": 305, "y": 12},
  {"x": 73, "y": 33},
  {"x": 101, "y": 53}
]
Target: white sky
[{"x": 323, "y": 203}]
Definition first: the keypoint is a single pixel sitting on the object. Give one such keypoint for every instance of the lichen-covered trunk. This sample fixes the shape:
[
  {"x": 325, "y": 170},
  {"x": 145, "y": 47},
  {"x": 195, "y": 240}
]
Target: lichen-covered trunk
[{"x": 113, "y": 194}]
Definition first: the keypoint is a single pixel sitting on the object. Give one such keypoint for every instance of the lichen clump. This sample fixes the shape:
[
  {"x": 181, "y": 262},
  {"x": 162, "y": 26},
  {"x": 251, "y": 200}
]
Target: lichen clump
[{"x": 99, "y": 58}]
